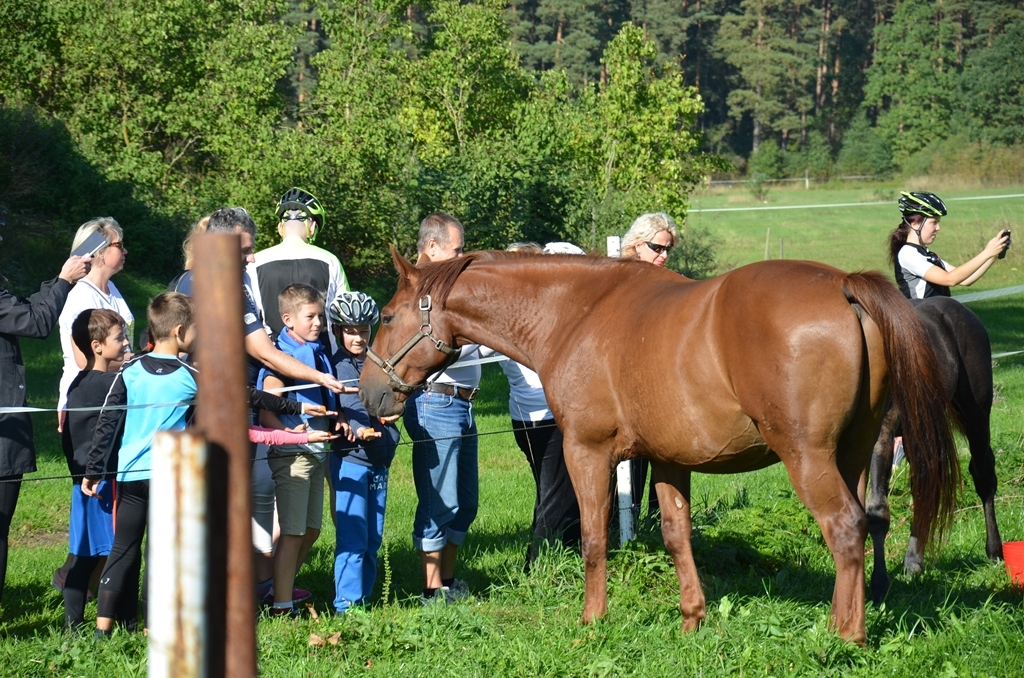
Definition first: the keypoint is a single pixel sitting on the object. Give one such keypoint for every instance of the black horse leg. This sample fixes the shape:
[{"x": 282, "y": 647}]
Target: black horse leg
[
  {"x": 877, "y": 503},
  {"x": 983, "y": 471}
]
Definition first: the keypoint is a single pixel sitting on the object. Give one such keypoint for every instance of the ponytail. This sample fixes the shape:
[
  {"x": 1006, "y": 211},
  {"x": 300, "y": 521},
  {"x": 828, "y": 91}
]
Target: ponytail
[{"x": 898, "y": 237}]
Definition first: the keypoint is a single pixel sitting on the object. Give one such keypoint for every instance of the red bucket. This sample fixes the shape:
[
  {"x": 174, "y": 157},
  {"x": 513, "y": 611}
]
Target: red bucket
[{"x": 1013, "y": 555}]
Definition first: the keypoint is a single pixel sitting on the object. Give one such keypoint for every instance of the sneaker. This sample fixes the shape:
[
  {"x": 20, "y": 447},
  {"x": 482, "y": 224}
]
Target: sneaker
[
  {"x": 291, "y": 612},
  {"x": 442, "y": 596},
  {"x": 357, "y": 610},
  {"x": 459, "y": 590},
  {"x": 266, "y": 598}
]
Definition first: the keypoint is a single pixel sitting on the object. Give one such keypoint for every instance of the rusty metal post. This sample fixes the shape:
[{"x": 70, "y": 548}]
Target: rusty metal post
[
  {"x": 177, "y": 522},
  {"x": 222, "y": 416}
]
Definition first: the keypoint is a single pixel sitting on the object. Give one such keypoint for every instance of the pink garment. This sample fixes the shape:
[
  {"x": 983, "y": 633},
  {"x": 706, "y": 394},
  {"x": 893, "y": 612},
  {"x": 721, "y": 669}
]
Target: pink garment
[{"x": 276, "y": 436}]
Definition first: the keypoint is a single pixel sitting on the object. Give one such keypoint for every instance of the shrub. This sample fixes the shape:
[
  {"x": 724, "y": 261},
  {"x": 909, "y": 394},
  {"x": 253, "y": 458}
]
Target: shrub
[{"x": 865, "y": 151}]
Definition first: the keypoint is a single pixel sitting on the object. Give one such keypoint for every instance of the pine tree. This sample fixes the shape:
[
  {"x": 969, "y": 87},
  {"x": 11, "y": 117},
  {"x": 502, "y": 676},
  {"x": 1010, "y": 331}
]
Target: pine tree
[
  {"x": 772, "y": 45},
  {"x": 914, "y": 77}
]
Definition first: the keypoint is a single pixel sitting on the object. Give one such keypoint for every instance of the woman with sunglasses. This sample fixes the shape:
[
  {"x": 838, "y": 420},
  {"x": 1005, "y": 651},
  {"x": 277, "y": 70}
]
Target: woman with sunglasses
[
  {"x": 95, "y": 290},
  {"x": 651, "y": 237}
]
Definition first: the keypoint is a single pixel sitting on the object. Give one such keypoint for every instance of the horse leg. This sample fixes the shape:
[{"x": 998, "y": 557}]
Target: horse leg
[
  {"x": 983, "y": 471},
  {"x": 877, "y": 506},
  {"x": 672, "y": 485},
  {"x": 832, "y": 500},
  {"x": 591, "y": 472}
]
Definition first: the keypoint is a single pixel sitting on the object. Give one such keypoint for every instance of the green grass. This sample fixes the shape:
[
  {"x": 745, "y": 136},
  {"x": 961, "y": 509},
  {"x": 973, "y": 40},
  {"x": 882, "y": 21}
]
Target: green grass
[
  {"x": 766, "y": 572},
  {"x": 855, "y": 238}
]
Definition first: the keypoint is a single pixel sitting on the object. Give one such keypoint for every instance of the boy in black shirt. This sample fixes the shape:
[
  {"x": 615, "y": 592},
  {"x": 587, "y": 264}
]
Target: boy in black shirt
[{"x": 100, "y": 335}]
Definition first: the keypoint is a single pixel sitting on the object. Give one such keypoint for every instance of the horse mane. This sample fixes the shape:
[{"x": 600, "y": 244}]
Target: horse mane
[{"x": 438, "y": 278}]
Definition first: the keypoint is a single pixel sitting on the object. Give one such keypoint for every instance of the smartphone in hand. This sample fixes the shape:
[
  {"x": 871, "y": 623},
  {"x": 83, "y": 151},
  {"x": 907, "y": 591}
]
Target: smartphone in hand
[
  {"x": 93, "y": 244},
  {"x": 1008, "y": 243}
]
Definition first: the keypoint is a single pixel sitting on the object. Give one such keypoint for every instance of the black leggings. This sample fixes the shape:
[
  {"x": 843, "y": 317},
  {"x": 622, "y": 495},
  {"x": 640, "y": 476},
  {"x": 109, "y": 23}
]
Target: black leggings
[
  {"x": 556, "y": 513},
  {"x": 76, "y": 587},
  {"x": 10, "y": 488},
  {"x": 119, "y": 584}
]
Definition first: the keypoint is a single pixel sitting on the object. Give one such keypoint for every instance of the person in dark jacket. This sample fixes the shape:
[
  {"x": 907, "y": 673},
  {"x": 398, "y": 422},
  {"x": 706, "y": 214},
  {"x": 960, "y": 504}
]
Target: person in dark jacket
[{"x": 35, "y": 318}]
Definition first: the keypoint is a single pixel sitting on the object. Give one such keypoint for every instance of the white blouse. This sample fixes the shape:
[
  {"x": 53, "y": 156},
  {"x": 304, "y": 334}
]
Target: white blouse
[{"x": 84, "y": 296}]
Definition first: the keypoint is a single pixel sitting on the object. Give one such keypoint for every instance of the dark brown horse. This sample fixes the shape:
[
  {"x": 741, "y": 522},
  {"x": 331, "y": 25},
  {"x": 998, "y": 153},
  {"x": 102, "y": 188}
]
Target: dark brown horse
[
  {"x": 964, "y": 354},
  {"x": 778, "y": 361}
]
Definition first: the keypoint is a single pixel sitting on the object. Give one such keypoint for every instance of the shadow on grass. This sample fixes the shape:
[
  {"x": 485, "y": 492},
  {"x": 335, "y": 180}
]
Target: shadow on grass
[{"x": 26, "y": 609}]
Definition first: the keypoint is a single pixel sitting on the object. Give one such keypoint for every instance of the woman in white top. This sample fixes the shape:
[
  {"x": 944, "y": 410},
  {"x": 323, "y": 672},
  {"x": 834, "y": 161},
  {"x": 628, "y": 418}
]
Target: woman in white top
[
  {"x": 919, "y": 272},
  {"x": 95, "y": 290},
  {"x": 556, "y": 512}
]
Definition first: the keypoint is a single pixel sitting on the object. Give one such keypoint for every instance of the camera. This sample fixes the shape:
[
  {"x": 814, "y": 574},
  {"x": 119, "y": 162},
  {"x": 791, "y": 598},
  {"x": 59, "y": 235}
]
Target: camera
[{"x": 1008, "y": 243}]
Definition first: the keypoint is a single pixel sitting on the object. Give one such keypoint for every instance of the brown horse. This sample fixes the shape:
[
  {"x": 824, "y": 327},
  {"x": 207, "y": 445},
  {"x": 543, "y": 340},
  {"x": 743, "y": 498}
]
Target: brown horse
[
  {"x": 964, "y": 359},
  {"x": 778, "y": 361}
]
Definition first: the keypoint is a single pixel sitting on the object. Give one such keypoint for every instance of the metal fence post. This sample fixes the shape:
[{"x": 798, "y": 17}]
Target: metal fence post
[
  {"x": 177, "y": 524},
  {"x": 223, "y": 418}
]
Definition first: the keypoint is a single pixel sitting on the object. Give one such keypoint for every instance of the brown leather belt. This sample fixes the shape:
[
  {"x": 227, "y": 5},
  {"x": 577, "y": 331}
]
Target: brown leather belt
[{"x": 460, "y": 392}]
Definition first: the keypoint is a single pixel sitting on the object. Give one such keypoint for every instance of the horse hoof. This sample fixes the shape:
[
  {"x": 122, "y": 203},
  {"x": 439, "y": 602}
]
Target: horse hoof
[
  {"x": 912, "y": 568},
  {"x": 879, "y": 587},
  {"x": 691, "y": 625}
]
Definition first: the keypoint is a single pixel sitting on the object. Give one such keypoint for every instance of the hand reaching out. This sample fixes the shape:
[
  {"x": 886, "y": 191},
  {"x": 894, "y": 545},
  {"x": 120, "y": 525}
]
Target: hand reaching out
[
  {"x": 317, "y": 410},
  {"x": 367, "y": 434}
]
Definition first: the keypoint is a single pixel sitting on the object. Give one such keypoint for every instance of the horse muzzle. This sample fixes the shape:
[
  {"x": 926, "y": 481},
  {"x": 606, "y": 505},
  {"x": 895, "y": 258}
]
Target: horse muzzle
[{"x": 382, "y": 401}]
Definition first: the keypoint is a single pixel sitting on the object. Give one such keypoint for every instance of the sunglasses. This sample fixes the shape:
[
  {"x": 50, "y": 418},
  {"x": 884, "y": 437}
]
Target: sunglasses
[
  {"x": 658, "y": 249},
  {"x": 295, "y": 215},
  {"x": 119, "y": 245}
]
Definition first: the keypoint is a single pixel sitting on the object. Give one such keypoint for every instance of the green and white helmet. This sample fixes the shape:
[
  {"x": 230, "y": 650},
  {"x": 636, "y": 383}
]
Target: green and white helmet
[
  {"x": 923, "y": 203},
  {"x": 298, "y": 200},
  {"x": 354, "y": 308}
]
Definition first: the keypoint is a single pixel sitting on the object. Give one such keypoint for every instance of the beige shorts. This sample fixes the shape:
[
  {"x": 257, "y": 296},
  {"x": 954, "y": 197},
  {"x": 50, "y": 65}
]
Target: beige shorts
[{"x": 299, "y": 489}]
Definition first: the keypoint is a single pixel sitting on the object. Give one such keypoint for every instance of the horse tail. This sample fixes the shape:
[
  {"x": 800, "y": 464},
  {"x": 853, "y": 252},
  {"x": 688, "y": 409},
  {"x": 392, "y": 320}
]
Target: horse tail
[{"x": 918, "y": 395}]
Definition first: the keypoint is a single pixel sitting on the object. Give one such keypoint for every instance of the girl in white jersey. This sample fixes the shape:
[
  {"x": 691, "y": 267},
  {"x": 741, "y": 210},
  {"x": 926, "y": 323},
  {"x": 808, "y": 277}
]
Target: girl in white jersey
[{"x": 920, "y": 273}]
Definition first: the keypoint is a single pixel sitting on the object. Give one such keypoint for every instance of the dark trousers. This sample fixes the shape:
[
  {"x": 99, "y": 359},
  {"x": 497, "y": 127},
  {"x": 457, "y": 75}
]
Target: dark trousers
[
  {"x": 10, "y": 489},
  {"x": 77, "y": 573},
  {"x": 638, "y": 470},
  {"x": 556, "y": 513},
  {"x": 118, "y": 596}
]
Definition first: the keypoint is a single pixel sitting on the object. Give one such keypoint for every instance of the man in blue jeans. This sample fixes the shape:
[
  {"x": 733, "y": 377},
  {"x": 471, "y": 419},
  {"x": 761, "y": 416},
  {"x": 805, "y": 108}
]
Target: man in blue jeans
[{"x": 439, "y": 420}]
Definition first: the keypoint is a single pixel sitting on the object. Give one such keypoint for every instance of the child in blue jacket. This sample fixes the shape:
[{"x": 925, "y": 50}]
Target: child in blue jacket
[{"x": 359, "y": 470}]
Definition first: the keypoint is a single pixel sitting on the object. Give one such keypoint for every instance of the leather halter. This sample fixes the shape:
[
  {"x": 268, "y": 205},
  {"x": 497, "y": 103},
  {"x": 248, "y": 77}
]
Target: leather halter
[{"x": 426, "y": 330}]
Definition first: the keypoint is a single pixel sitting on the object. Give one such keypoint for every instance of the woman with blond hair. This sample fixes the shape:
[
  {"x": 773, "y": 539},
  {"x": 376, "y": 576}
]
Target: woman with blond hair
[
  {"x": 95, "y": 290},
  {"x": 651, "y": 237}
]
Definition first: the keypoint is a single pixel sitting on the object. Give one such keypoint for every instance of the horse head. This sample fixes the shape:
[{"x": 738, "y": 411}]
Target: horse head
[{"x": 414, "y": 339}]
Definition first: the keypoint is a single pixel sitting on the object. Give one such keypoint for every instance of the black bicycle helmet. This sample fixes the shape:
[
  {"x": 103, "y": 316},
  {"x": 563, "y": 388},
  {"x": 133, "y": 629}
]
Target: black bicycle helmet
[
  {"x": 300, "y": 200},
  {"x": 925, "y": 204},
  {"x": 354, "y": 308}
]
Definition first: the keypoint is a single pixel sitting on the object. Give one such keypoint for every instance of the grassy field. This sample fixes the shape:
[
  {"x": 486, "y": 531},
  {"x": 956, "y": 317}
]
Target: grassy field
[{"x": 766, "y": 572}]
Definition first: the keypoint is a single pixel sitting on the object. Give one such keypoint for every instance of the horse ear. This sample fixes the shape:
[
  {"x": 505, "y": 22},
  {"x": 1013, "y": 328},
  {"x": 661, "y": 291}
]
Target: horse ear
[{"x": 405, "y": 269}]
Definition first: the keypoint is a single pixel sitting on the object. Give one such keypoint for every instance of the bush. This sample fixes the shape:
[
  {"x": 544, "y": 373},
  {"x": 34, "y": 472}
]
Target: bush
[
  {"x": 767, "y": 160},
  {"x": 865, "y": 151},
  {"x": 813, "y": 157},
  {"x": 959, "y": 160}
]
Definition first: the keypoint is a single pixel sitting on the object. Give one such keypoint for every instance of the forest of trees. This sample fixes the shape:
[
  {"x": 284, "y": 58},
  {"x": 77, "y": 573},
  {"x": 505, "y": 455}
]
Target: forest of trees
[{"x": 540, "y": 119}]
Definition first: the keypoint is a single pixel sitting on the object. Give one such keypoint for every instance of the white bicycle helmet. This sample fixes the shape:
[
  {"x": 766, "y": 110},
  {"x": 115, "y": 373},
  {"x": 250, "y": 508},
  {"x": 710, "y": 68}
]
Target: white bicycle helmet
[{"x": 354, "y": 308}]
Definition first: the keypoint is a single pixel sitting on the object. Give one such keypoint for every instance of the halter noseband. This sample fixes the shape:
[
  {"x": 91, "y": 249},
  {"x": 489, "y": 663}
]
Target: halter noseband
[{"x": 394, "y": 381}]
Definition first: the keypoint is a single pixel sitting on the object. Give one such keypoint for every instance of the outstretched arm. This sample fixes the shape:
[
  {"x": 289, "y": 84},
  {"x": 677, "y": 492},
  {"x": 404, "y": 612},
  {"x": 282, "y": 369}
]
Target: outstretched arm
[
  {"x": 968, "y": 273},
  {"x": 257, "y": 344}
]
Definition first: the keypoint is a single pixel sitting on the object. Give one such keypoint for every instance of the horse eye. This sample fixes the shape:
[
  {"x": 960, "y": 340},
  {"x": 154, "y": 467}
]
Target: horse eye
[{"x": 386, "y": 319}]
